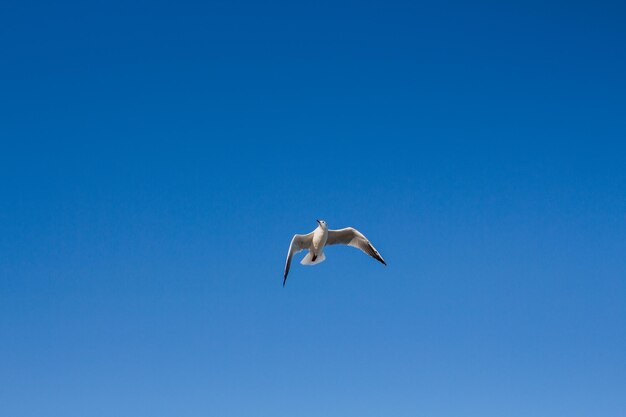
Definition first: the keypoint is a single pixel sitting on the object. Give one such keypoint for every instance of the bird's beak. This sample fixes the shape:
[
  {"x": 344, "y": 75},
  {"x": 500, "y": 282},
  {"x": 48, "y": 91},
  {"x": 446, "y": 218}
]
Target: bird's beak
[{"x": 318, "y": 222}]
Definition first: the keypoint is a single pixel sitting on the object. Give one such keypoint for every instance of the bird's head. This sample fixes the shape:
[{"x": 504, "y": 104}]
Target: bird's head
[{"x": 322, "y": 224}]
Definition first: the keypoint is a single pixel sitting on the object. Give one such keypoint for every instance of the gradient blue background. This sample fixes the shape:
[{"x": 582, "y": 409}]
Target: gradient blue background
[{"x": 156, "y": 158}]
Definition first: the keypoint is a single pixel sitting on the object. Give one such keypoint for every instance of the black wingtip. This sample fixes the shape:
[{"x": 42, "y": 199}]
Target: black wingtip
[{"x": 284, "y": 281}]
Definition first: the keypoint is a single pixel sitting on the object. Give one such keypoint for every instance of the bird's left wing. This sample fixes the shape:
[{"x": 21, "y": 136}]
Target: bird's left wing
[
  {"x": 352, "y": 237},
  {"x": 298, "y": 244}
]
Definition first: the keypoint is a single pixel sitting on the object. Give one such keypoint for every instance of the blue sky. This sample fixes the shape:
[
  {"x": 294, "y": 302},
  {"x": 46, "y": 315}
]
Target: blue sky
[{"x": 157, "y": 158}]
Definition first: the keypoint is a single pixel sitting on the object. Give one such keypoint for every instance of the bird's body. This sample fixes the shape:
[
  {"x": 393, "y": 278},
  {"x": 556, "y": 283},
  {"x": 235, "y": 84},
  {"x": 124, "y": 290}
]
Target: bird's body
[{"x": 318, "y": 239}]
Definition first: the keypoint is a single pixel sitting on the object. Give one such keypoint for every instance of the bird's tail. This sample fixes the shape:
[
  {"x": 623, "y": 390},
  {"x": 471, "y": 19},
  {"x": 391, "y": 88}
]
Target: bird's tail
[{"x": 308, "y": 259}]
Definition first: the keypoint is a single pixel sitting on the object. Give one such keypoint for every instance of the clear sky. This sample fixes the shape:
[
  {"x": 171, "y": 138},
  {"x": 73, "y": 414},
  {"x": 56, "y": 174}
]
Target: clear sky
[{"x": 157, "y": 157}]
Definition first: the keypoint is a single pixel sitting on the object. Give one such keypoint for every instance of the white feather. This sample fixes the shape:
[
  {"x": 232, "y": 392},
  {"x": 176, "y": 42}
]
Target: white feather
[{"x": 307, "y": 260}]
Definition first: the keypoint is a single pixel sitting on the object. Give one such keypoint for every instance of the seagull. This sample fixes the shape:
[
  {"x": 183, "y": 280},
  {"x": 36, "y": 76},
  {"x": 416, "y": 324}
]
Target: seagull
[{"x": 318, "y": 239}]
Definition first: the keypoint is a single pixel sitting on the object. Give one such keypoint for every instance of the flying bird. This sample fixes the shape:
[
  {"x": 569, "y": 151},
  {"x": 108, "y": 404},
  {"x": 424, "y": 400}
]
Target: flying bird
[{"x": 318, "y": 239}]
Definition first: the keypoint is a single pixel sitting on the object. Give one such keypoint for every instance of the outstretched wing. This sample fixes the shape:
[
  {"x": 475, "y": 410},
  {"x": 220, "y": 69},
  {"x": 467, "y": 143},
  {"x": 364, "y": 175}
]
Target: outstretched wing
[
  {"x": 352, "y": 237},
  {"x": 298, "y": 244}
]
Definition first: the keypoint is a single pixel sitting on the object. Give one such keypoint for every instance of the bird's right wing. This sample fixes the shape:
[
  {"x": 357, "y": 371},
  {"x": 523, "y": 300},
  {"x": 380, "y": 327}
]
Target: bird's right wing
[
  {"x": 352, "y": 237},
  {"x": 298, "y": 244}
]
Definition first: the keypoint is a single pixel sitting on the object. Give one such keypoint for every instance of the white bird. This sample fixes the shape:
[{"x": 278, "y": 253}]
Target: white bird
[{"x": 321, "y": 237}]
